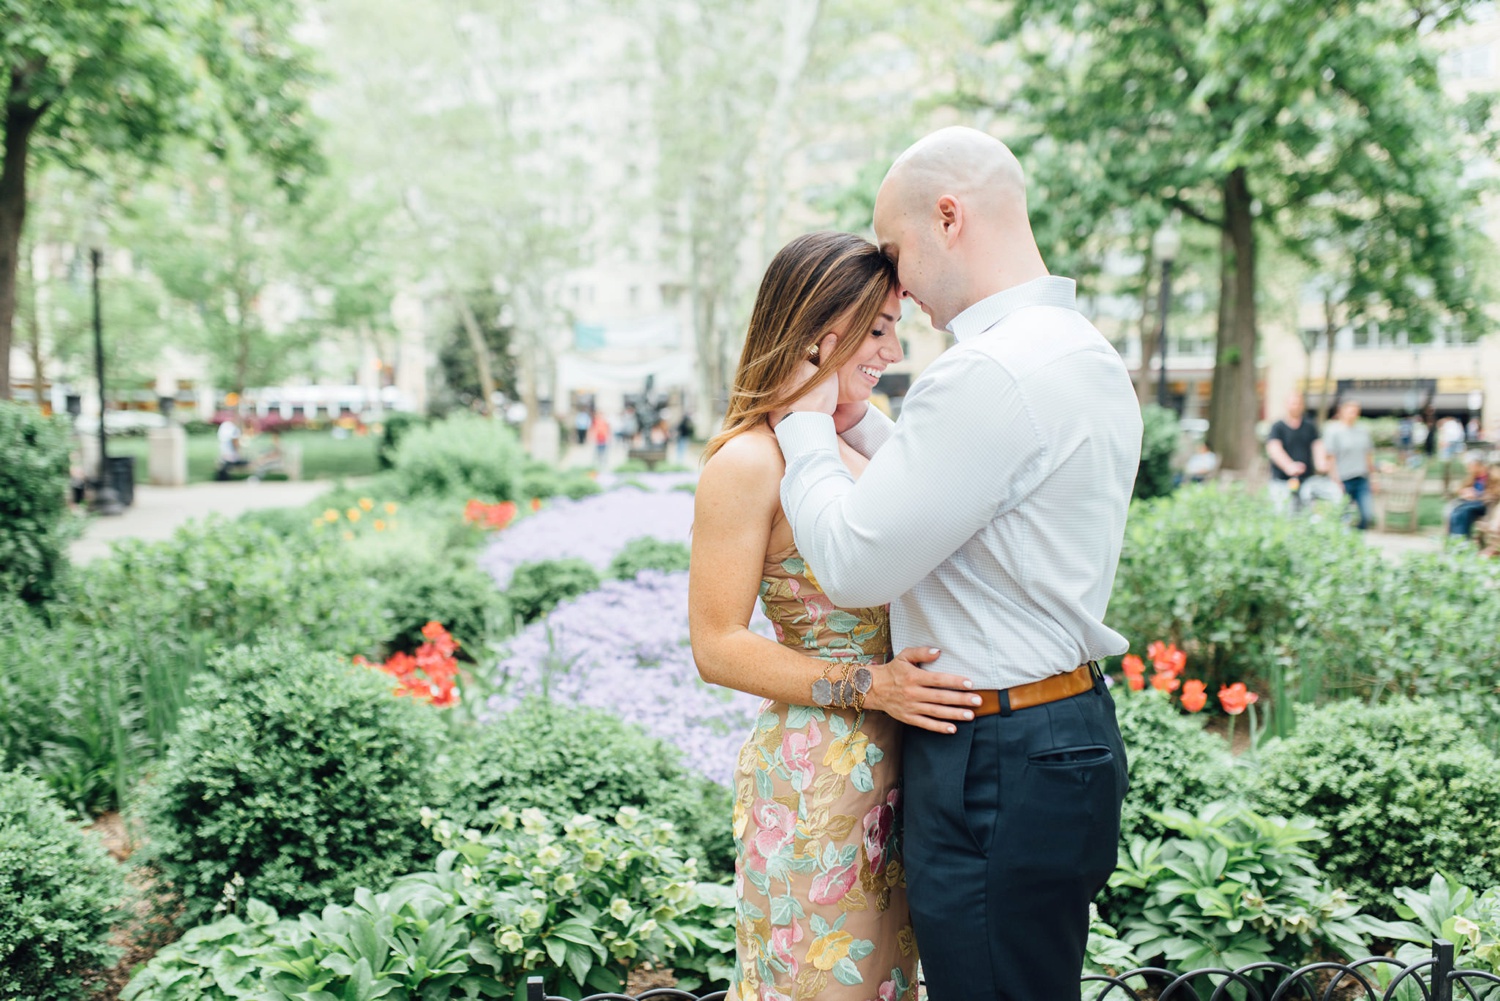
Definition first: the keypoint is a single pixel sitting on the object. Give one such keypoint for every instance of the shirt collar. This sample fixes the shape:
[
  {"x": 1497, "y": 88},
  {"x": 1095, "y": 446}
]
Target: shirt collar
[{"x": 1049, "y": 290}]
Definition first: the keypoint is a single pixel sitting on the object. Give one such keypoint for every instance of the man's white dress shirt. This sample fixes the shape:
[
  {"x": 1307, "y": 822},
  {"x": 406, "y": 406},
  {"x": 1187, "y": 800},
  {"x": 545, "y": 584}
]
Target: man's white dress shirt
[{"x": 992, "y": 513}]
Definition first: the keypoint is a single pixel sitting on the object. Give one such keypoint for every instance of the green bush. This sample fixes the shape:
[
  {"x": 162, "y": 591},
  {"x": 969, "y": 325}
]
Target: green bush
[
  {"x": 86, "y": 708},
  {"x": 1175, "y": 764},
  {"x": 299, "y": 772},
  {"x": 35, "y": 527},
  {"x": 539, "y": 479},
  {"x": 463, "y": 456},
  {"x": 1221, "y": 575},
  {"x": 59, "y": 895},
  {"x": 1404, "y": 791},
  {"x": 646, "y": 553},
  {"x": 394, "y": 427},
  {"x": 234, "y": 580},
  {"x": 1231, "y": 889},
  {"x": 527, "y": 898},
  {"x": 1160, "y": 437},
  {"x": 537, "y": 588},
  {"x": 456, "y": 593},
  {"x": 570, "y": 760}
]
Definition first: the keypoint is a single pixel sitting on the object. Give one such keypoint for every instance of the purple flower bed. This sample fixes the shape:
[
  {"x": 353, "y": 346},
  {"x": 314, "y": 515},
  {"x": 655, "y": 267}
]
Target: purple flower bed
[
  {"x": 624, "y": 648},
  {"x": 593, "y": 529}
]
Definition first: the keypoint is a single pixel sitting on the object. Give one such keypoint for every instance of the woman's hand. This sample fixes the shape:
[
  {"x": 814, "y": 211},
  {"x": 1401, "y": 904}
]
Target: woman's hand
[
  {"x": 820, "y": 397},
  {"x": 917, "y": 697}
]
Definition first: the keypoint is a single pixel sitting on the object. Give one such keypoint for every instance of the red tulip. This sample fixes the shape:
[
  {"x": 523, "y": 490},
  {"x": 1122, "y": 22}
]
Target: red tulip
[
  {"x": 1234, "y": 698},
  {"x": 1194, "y": 698}
]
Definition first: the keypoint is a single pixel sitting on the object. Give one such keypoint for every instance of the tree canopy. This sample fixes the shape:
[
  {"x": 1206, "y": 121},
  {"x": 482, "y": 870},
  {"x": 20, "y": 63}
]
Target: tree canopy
[{"x": 1259, "y": 119}]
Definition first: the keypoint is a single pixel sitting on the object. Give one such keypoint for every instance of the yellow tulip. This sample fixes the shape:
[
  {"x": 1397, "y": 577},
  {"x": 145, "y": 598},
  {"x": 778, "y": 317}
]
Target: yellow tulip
[
  {"x": 379, "y": 525},
  {"x": 330, "y": 516},
  {"x": 352, "y": 514},
  {"x": 390, "y": 507},
  {"x": 366, "y": 504}
]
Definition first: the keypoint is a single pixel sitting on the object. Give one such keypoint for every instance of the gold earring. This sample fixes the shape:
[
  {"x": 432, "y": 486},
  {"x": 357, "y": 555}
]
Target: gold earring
[{"x": 812, "y": 352}]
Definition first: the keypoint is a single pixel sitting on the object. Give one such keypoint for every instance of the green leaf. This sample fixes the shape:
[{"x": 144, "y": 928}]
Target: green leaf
[{"x": 845, "y": 972}]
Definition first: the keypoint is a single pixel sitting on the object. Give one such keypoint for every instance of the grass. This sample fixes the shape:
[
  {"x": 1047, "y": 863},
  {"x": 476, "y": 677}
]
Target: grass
[{"x": 323, "y": 456}]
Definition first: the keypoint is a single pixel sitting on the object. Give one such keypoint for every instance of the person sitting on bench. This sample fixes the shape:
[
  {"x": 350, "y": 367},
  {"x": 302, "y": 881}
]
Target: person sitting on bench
[{"x": 229, "y": 449}]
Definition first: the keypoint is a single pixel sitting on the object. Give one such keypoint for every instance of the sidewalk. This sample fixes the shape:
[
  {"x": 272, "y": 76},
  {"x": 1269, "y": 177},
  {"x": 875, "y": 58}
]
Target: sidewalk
[
  {"x": 1397, "y": 544},
  {"x": 160, "y": 511}
]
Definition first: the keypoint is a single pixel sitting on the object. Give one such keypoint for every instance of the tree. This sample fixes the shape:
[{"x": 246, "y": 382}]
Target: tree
[
  {"x": 1246, "y": 114},
  {"x": 85, "y": 79}
]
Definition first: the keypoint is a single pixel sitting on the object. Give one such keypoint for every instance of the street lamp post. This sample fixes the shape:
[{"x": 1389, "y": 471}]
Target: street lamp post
[
  {"x": 1164, "y": 245},
  {"x": 106, "y": 501}
]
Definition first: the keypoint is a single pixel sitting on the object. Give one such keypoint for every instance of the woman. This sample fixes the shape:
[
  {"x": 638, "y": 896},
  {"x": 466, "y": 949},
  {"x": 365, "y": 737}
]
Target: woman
[
  {"x": 1472, "y": 502},
  {"x": 821, "y": 890}
]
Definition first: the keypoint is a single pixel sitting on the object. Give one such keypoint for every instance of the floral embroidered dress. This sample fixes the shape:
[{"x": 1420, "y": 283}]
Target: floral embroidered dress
[{"x": 820, "y": 888}]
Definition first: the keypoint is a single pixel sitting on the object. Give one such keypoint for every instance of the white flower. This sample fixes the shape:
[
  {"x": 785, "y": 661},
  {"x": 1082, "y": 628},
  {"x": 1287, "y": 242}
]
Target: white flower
[
  {"x": 533, "y": 821},
  {"x": 511, "y": 941},
  {"x": 628, "y": 817},
  {"x": 550, "y": 856},
  {"x": 593, "y": 860},
  {"x": 470, "y": 874},
  {"x": 531, "y": 919},
  {"x": 1466, "y": 928},
  {"x": 428, "y": 816},
  {"x": 566, "y": 883},
  {"x": 620, "y": 909}
]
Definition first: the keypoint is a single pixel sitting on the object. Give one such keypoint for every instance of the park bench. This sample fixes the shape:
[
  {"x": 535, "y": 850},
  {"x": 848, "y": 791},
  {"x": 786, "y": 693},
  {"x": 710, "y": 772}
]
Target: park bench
[
  {"x": 650, "y": 456},
  {"x": 1399, "y": 494}
]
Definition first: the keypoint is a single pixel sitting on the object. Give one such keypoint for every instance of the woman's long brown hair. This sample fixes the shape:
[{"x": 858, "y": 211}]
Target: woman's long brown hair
[{"x": 809, "y": 285}]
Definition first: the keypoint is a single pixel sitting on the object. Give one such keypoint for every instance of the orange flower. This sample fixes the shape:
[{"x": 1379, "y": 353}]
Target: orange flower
[
  {"x": 1234, "y": 698},
  {"x": 1164, "y": 682},
  {"x": 1135, "y": 681},
  {"x": 1194, "y": 698},
  {"x": 1133, "y": 666},
  {"x": 1166, "y": 658},
  {"x": 536, "y": 504}
]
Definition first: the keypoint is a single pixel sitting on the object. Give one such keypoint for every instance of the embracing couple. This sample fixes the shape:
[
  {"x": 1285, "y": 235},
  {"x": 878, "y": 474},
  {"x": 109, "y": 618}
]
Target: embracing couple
[{"x": 960, "y": 798}]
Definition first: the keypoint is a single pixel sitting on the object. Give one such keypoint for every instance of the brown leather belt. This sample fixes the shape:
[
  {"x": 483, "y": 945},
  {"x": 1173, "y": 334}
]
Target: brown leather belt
[{"x": 1036, "y": 693}]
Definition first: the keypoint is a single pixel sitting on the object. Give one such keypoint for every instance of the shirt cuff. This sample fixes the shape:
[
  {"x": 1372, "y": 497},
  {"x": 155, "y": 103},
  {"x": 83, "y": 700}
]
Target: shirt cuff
[
  {"x": 873, "y": 430},
  {"x": 802, "y": 433}
]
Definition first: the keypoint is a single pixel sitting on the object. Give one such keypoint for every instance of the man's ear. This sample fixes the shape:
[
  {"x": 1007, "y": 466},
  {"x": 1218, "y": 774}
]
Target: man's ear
[{"x": 950, "y": 218}]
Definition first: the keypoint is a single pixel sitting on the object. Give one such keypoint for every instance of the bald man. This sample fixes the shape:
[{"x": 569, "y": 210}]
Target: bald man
[{"x": 990, "y": 518}]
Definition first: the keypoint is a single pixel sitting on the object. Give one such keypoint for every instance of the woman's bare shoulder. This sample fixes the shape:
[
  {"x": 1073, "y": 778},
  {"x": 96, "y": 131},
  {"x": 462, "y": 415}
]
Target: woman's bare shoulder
[{"x": 749, "y": 465}]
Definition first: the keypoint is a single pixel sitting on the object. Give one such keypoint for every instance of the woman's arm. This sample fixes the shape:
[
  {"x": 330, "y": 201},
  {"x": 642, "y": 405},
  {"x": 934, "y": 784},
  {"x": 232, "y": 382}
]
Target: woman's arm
[{"x": 736, "y": 503}]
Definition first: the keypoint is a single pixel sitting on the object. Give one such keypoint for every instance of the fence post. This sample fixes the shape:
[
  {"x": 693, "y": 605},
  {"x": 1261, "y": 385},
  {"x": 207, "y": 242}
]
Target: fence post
[
  {"x": 536, "y": 992},
  {"x": 1442, "y": 966}
]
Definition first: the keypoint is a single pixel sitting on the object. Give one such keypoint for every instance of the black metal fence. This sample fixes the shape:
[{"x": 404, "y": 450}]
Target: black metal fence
[{"x": 1378, "y": 978}]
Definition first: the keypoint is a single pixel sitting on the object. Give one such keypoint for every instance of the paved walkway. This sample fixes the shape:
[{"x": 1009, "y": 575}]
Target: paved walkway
[
  {"x": 1401, "y": 543},
  {"x": 160, "y": 511}
]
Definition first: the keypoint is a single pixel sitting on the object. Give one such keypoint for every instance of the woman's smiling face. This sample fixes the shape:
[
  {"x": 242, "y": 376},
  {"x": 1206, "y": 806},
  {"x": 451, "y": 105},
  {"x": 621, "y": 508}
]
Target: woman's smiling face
[{"x": 880, "y": 348}]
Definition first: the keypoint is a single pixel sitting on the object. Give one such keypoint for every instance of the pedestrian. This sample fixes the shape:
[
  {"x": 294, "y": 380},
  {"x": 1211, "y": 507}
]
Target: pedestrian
[
  {"x": 1451, "y": 438},
  {"x": 1353, "y": 453},
  {"x": 1430, "y": 440},
  {"x": 229, "y": 448},
  {"x": 684, "y": 435},
  {"x": 1297, "y": 457},
  {"x": 629, "y": 426},
  {"x": 1404, "y": 431},
  {"x": 599, "y": 429},
  {"x": 581, "y": 423}
]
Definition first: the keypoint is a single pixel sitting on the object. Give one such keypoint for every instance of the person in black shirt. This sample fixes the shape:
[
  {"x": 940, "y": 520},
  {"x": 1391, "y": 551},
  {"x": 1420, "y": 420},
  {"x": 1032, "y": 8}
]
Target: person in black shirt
[{"x": 1297, "y": 457}]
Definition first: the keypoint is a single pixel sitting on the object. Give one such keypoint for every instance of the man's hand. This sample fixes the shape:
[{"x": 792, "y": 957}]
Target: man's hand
[{"x": 822, "y": 396}]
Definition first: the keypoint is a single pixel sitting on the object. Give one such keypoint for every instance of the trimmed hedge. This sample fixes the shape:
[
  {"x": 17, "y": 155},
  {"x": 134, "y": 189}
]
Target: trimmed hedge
[
  {"x": 35, "y": 528},
  {"x": 1404, "y": 791},
  {"x": 59, "y": 894},
  {"x": 566, "y": 760},
  {"x": 299, "y": 772}
]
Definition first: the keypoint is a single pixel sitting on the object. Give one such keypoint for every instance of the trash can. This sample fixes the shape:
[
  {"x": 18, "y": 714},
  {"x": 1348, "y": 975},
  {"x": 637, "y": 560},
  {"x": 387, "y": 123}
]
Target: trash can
[{"x": 121, "y": 473}]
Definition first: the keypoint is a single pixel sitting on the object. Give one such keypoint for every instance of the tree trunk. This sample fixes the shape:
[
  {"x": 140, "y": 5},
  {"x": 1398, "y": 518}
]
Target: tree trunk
[
  {"x": 477, "y": 345},
  {"x": 1143, "y": 382},
  {"x": 20, "y": 120},
  {"x": 799, "y": 25},
  {"x": 1233, "y": 409},
  {"x": 34, "y": 326}
]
